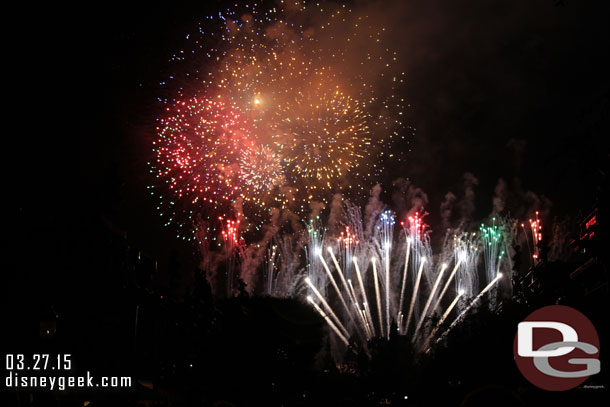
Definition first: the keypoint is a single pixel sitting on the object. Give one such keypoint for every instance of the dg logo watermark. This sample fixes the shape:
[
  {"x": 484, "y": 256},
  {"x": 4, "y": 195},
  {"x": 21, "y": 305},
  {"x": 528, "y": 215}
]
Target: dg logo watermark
[{"x": 556, "y": 348}]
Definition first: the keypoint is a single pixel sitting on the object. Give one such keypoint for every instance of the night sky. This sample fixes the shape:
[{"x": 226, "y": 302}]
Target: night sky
[{"x": 498, "y": 89}]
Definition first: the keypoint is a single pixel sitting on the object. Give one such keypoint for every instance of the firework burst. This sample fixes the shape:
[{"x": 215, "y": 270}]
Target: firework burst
[
  {"x": 260, "y": 170},
  {"x": 267, "y": 108},
  {"x": 322, "y": 138}
]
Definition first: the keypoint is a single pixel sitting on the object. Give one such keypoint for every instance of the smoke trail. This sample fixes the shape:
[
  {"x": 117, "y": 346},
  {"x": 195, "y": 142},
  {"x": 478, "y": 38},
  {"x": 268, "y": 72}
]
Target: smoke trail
[
  {"x": 407, "y": 198},
  {"x": 419, "y": 200},
  {"x": 315, "y": 209},
  {"x": 535, "y": 203},
  {"x": 284, "y": 277},
  {"x": 467, "y": 204},
  {"x": 499, "y": 200},
  {"x": 560, "y": 239},
  {"x": 209, "y": 259},
  {"x": 400, "y": 197},
  {"x": 446, "y": 210},
  {"x": 335, "y": 217},
  {"x": 373, "y": 209},
  {"x": 254, "y": 253},
  {"x": 518, "y": 148}
]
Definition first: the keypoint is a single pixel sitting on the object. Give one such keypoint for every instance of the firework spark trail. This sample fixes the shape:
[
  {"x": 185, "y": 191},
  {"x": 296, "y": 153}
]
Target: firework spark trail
[
  {"x": 377, "y": 296},
  {"x": 370, "y": 322},
  {"x": 447, "y": 284},
  {"x": 328, "y": 321},
  {"x": 272, "y": 260},
  {"x": 465, "y": 246},
  {"x": 443, "y": 318},
  {"x": 364, "y": 298},
  {"x": 404, "y": 282},
  {"x": 326, "y": 306},
  {"x": 336, "y": 287},
  {"x": 472, "y": 304},
  {"x": 281, "y": 267},
  {"x": 387, "y": 250},
  {"x": 347, "y": 243},
  {"x": 493, "y": 239},
  {"x": 355, "y": 321},
  {"x": 430, "y": 298},
  {"x": 333, "y": 282},
  {"x": 414, "y": 295},
  {"x": 362, "y": 319},
  {"x": 351, "y": 297},
  {"x": 314, "y": 246},
  {"x": 232, "y": 248},
  {"x": 529, "y": 247},
  {"x": 340, "y": 273},
  {"x": 535, "y": 230},
  {"x": 290, "y": 271},
  {"x": 384, "y": 236},
  {"x": 420, "y": 246}
]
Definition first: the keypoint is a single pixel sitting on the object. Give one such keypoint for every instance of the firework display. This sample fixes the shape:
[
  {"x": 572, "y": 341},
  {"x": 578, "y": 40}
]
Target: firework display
[
  {"x": 233, "y": 246},
  {"x": 307, "y": 203},
  {"x": 533, "y": 237},
  {"x": 267, "y": 113},
  {"x": 381, "y": 285},
  {"x": 383, "y": 276},
  {"x": 263, "y": 111}
]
